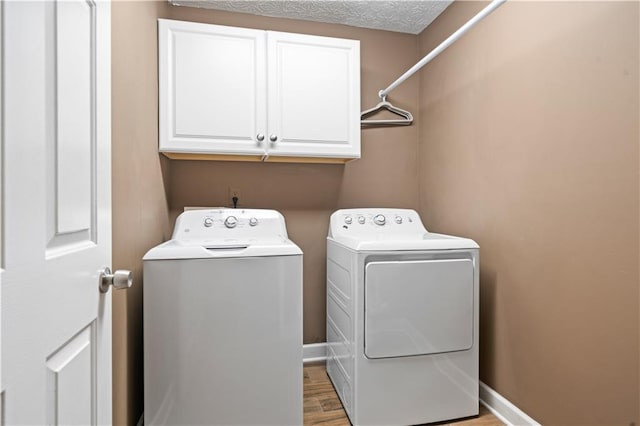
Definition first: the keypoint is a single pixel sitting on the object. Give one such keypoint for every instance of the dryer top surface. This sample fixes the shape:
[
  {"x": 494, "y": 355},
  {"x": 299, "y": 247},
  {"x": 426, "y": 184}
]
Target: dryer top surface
[{"x": 384, "y": 229}]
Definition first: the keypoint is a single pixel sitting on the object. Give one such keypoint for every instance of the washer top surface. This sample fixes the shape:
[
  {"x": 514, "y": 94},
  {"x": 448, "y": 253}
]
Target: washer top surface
[
  {"x": 384, "y": 229},
  {"x": 215, "y": 233}
]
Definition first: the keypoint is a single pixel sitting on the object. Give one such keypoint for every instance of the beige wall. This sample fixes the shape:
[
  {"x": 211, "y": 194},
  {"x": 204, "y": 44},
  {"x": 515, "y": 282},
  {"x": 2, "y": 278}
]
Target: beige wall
[
  {"x": 526, "y": 140},
  {"x": 529, "y": 144},
  {"x": 145, "y": 184},
  {"x": 140, "y": 189}
]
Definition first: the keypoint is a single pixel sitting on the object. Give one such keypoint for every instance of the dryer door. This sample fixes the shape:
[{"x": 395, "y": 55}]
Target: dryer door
[{"x": 418, "y": 307}]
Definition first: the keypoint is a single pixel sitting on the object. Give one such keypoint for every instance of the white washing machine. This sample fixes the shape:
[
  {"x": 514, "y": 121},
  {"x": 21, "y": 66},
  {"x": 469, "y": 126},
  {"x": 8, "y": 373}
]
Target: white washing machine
[
  {"x": 402, "y": 319},
  {"x": 223, "y": 322}
]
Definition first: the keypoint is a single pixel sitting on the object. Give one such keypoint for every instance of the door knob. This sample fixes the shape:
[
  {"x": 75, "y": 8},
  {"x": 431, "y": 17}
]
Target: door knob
[
  {"x": 273, "y": 138},
  {"x": 260, "y": 137},
  {"x": 119, "y": 280}
]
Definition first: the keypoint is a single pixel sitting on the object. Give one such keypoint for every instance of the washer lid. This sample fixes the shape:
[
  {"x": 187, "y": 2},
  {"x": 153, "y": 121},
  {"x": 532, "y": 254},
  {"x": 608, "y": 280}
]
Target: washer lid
[
  {"x": 211, "y": 233},
  {"x": 207, "y": 249},
  {"x": 387, "y": 230}
]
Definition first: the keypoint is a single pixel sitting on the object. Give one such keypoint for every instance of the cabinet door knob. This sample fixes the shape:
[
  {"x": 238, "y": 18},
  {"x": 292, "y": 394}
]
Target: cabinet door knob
[
  {"x": 273, "y": 138},
  {"x": 260, "y": 137}
]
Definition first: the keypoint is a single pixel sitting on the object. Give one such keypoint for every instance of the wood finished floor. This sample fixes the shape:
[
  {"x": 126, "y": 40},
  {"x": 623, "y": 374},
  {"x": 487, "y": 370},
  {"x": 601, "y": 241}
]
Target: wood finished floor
[{"x": 322, "y": 406}]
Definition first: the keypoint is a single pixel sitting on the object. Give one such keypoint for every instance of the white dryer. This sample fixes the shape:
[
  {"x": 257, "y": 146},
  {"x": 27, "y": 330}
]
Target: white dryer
[
  {"x": 223, "y": 322},
  {"x": 402, "y": 319}
]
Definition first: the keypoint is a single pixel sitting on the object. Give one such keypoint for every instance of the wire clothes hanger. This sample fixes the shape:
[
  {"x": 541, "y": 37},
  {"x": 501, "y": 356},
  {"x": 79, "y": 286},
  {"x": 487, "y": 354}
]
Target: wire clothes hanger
[{"x": 406, "y": 119}]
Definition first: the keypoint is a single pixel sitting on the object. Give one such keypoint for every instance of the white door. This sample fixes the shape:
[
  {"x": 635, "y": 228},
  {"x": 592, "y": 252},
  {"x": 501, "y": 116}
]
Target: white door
[
  {"x": 212, "y": 88},
  {"x": 56, "y": 324},
  {"x": 313, "y": 95}
]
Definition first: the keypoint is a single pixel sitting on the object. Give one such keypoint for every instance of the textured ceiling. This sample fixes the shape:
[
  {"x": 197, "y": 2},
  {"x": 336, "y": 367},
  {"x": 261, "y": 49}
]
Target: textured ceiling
[{"x": 406, "y": 16}]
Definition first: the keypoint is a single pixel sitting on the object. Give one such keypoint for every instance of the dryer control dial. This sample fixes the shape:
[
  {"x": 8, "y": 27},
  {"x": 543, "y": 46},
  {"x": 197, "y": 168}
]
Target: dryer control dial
[
  {"x": 208, "y": 222},
  {"x": 361, "y": 219},
  {"x": 231, "y": 222},
  {"x": 398, "y": 220},
  {"x": 348, "y": 220},
  {"x": 379, "y": 219},
  {"x": 253, "y": 221}
]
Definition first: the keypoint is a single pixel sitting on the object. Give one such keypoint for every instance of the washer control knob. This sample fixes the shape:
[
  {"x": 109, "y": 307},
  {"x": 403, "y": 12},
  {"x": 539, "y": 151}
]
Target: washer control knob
[
  {"x": 208, "y": 222},
  {"x": 379, "y": 219},
  {"x": 398, "y": 220},
  {"x": 253, "y": 221},
  {"x": 361, "y": 220},
  {"x": 231, "y": 222},
  {"x": 348, "y": 220}
]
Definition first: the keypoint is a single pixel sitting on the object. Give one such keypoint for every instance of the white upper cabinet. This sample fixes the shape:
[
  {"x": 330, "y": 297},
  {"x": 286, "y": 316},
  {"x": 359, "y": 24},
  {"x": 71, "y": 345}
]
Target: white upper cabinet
[{"x": 235, "y": 93}]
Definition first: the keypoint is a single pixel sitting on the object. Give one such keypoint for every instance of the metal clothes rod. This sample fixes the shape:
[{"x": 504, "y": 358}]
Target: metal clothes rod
[{"x": 442, "y": 46}]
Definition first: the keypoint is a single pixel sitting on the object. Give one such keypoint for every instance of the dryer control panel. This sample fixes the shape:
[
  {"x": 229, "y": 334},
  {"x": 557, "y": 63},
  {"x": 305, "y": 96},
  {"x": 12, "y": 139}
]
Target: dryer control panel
[{"x": 376, "y": 224}]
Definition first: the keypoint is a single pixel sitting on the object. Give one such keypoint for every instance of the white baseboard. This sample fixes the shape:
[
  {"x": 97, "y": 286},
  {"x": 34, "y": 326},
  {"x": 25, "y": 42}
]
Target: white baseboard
[
  {"x": 496, "y": 403},
  {"x": 314, "y": 352},
  {"x": 503, "y": 409}
]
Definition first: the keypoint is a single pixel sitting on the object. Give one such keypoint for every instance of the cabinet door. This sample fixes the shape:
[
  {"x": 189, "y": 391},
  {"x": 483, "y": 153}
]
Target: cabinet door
[
  {"x": 313, "y": 95},
  {"x": 212, "y": 88}
]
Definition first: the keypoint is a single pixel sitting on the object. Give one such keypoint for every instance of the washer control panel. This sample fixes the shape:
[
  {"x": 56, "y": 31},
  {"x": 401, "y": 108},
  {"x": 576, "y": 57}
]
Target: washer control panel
[
  {"x": 237, "y": 224},
  {"x": 376, "y": 223}
]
